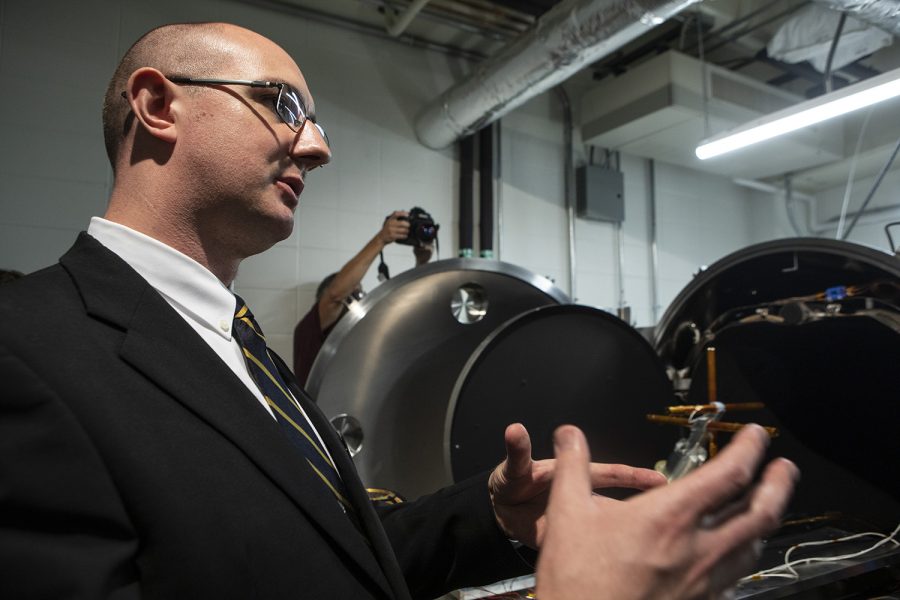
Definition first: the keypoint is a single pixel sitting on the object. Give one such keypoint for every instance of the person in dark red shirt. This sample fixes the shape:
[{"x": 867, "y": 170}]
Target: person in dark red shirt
[{"x": 332, "y": 293}]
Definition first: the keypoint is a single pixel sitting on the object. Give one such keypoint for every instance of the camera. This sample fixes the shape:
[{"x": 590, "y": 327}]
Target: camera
[{"x": 422, "y": 228}]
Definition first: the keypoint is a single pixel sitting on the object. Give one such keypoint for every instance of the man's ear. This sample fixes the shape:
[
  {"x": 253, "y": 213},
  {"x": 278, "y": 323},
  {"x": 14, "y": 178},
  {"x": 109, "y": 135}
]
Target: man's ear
[{"x": 151, "y": 96}]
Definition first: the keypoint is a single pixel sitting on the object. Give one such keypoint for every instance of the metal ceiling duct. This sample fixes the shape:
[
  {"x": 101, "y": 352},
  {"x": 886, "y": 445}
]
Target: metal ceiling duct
[
  {"x": 572, "y": 35},
  {"x": 881, "y": 13}
]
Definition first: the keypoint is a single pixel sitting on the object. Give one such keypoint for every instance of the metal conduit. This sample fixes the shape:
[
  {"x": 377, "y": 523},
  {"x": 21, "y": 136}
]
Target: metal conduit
[
  {"x": 572, "y": 35},
  {"x": 498, "y": 192},
  {"x": 310, "y": 14},
  {"x": 654, "y": 245},
  {"x": 399, "y": 23},
  {"x": 622, "y": 310},
  {"x": 568, "y": 183},
  {"x": 486, "y": 192},
  {"x": 466, "y": 196}
]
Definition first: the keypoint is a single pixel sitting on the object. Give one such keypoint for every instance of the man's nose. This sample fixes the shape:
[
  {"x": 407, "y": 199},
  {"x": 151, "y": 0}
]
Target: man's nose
[{"x": 310, "y": 147}]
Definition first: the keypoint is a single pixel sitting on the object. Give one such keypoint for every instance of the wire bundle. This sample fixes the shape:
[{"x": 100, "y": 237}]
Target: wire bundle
[{"x": 788, "y": 571}]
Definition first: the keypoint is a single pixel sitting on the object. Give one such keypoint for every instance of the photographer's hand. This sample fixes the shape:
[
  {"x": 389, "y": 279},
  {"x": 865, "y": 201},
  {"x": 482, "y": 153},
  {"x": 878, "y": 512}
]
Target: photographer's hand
[{"x": 395, "y": 227}]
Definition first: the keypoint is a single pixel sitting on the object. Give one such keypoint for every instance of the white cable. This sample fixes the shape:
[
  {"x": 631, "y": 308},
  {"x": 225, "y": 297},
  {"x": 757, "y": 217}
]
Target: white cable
[
  {"x": 789, "y": 565},
  {"x": 849, "y": 187}
]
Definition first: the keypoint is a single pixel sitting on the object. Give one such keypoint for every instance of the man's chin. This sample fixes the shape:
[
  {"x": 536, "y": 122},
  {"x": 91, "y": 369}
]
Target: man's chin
[
  {"x": 277, "y": 230},
  {"x": 283, "y": 232}
]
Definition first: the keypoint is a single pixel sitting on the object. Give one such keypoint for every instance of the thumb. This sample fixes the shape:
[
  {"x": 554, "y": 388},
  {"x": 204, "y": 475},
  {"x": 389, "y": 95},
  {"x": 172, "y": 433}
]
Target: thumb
[{"x": 518, "y": 452}]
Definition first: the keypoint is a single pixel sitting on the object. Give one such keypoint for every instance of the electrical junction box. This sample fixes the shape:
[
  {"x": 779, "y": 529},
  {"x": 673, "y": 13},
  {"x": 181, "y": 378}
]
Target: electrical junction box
[{"x": 599, "y": 194}]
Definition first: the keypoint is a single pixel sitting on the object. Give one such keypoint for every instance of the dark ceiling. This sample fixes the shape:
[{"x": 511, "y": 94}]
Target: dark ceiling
[{"x": 728, "y": 33}]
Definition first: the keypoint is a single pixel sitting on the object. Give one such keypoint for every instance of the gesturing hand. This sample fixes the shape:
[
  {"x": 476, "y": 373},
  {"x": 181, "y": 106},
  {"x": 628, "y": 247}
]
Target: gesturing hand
[
  {"x": 519, "y": 486},
  {"x": 690, "y": 539}
]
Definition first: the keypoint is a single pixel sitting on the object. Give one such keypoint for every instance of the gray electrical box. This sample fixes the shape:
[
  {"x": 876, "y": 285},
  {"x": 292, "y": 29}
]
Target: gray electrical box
[{"x": 599, "y": 194}]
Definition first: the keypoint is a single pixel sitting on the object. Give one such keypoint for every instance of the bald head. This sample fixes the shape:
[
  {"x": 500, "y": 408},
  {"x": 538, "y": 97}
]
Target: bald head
[
  {"x": 209, "y": 146},
  {"x": 192, "y": 49}
]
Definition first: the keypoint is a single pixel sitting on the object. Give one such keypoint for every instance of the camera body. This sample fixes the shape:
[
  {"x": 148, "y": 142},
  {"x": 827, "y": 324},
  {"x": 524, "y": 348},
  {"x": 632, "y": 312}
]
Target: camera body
[{"x": 422, "y": 228}]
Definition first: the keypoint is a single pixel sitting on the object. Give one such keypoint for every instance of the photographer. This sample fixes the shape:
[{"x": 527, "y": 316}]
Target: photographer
[{"x": 332, "y": 293}]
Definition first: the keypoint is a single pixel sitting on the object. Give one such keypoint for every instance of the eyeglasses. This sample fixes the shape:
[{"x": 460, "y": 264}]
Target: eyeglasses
[{"x": 288, "y": 106}]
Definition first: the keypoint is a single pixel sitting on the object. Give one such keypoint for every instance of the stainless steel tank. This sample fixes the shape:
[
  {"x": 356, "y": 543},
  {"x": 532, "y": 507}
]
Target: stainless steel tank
[{"x": 386, "y": 373}]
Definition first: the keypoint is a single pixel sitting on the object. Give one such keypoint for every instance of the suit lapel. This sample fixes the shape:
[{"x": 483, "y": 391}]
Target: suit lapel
[{"x": 193, "y": 375}]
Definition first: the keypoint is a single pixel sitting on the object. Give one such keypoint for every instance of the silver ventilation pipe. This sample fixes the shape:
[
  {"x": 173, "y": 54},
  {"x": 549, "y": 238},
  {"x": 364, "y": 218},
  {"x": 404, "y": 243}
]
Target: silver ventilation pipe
[
  {"x": 880, "y": 13},
  {"x": 575, "y": 33}
]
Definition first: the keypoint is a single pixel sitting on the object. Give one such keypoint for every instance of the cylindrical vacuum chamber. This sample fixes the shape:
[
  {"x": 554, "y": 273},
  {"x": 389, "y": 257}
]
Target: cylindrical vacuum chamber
[
  {"x": 811, "y": 328},
  {"x": 386, "y": 372}
]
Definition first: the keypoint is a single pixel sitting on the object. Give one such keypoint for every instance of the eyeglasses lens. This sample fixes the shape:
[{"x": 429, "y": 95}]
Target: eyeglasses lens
[
  {"x": 289, "y": 108},
  {"x": 291, "y": 111}
]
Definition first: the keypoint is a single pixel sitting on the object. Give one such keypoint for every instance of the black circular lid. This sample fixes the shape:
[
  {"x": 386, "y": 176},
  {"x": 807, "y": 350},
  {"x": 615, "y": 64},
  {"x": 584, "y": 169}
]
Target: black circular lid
[{"x": 556, "y": 365}]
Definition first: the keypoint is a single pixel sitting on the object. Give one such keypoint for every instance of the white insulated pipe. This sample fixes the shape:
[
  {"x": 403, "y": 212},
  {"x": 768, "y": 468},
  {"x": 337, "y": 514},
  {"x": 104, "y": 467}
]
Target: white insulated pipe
[
  {"x": 884, "y": 14},
  {"x": 575, "y": 33}
]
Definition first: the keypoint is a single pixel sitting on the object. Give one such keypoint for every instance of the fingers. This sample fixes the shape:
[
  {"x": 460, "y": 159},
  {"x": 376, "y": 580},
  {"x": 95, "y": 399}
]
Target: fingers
[
  {"x": 766, "y": 504},
  {"x": 571, "y": 479},
  {"x": 395, "y": 227},
  {"x": 731, "y": 546},
  {"x": 724, "y": 478},
  {"x": 518, "y": 452},
  {"x": 623, "y": 476}
]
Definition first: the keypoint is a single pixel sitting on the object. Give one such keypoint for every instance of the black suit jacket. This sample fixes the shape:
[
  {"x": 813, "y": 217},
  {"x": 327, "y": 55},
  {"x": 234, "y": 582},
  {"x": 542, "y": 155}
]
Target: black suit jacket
[{"x": 134, "y": 463}]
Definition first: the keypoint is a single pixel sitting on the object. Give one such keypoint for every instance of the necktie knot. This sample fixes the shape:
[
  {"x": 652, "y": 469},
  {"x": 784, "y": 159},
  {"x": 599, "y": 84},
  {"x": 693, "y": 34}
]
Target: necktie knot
[
  {"x": 244, "y": 323},
  {"x": 241, "y": 308}
]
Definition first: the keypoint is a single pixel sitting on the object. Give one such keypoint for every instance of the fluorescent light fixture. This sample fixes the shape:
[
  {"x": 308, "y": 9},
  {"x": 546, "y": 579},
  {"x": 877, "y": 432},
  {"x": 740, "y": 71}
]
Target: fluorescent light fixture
[{"x": 853, "y": 97}]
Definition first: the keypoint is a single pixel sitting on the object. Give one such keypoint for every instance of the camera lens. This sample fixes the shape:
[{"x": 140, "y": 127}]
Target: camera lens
[{"x": 426, "y": 233}]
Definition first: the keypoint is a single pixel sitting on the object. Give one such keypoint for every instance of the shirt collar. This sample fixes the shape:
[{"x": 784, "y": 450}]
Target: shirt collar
[{"x": 182, "y": 281}]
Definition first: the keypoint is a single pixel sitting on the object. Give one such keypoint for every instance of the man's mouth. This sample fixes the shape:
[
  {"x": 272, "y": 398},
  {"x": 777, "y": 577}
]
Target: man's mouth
[{"x": 293, "y": 183}]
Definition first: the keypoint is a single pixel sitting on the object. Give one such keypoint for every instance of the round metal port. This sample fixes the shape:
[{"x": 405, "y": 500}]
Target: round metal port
[{"x": 469, "y": 304}]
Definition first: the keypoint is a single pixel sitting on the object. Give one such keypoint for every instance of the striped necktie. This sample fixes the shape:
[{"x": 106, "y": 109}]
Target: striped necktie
[{"x": 286, "y": 408}]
